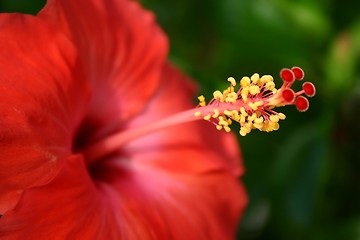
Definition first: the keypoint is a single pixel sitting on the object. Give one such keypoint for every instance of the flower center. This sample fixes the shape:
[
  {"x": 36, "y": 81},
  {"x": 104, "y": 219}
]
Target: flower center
[{"x": 252, "y": 106}]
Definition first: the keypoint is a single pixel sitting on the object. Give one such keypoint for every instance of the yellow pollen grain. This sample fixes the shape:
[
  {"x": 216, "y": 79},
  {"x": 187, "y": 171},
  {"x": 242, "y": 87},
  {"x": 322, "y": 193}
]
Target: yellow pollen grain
[
  {"x": 223, "y": 123},
  {"x": 219, "y": 127},
  {"x": 245, "y": 81},
  {"x": 259, "y": 103},
  {"x": 276, "y": 126},
  {"x": 242, "y": 119},
  {"x": 254, "y": 90},
  {"x": 245, "y": 90},
  {"x": 197, "y": 114},
  {"x": 252, "y": 106},
  {"x": 202, "y": 102},
  {"x": 242, "y": 133},
  {"x": 231, "y": 97},
  {"x": 274, "y": 118},
  {"x": 232, "y": 81},
  {"x": 267, "y": 78},
  {"x": 244, "y": 97},
  {"x": 270, "y": 86},
  {"x": 243, "y": 112},
  {"x": 227, "y": 91},
  {"x": 282, "y": 116},
  {"x": 207, "y": 117},
  {"x": 227, "y": 129},
  {"x": 228, "y": 113},
  {"x": 259, "y": 120},
  {"x": 255, "y": 78},
  {"x": 258, "y": 125},
  {"x": 252, "y": 117},
  {"x": 216, "y": 113},
  {"x": 217, "y": 95},
  {"x": 244, "y": 130}
]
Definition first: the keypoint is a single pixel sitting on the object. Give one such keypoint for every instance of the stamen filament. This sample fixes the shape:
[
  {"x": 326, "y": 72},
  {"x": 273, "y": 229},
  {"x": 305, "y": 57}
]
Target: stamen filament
[{"x": 113, "y": 143}]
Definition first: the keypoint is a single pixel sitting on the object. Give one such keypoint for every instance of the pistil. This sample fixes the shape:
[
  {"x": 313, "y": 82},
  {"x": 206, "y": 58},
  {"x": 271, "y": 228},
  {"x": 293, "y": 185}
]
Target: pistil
[{"x": 251, "y": 106}]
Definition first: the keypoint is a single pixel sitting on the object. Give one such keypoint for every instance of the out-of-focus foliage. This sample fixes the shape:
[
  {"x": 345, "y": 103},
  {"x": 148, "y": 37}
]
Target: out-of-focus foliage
[{"x": 303, "y": 180}]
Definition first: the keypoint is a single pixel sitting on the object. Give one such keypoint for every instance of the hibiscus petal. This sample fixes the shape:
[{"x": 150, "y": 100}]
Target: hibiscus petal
[
  {"x": 69, "y": 207},
  {"x": 122, "y": 51},
  {"x": 156, "y": 204},
  {"x": 146, "y": 204},
  {"x": 40, "y": 105}
]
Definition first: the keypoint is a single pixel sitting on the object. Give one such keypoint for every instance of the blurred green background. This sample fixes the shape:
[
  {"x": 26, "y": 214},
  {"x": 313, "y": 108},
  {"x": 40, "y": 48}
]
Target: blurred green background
[{"x": 303, "y": 180}]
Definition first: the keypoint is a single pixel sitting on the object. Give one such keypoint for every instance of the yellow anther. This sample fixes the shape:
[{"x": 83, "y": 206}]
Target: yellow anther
[
  {"x": 249, "y": 125},
  {"x": 258, "y": 125},
  {"x": 245, "y": 81},
  {"x": 267, "y": 78},
  {"x": 226, "y": 91},
  {"x": 252, "y": 106},
  {"x": 259, "y": 120},
  {"x": 207, "y": 117},
  {"x": 236, "y": 118},
  {"x": 243, "y": 112},
  {"x": 223, "y": 122},
  {"x": 242, "y": 133},
  {"x": 227, "y": 129},
  {"x": 267, "y": 127},
  {"x": 231, "y": 97},
  {"x": 202, "y": 102},
  {"x": 228, "y": 113},
  {"x": 219, "y": 127},
  {"x": 273, "y": 126},
  {"x": 242, "y": 119},
  {"x": 244, "y": 97},
  {"x": 270, "y": 86},
  {"x": 232, "y": 81},
  {"x": 274, "y": 118},
  {"x": 244, "y": 130},
  {"x": 255, "y": 78},
  {"x": 197, "y": 114},
  {"x": 254, "y": 90},
  {"x": 282, "y": 116},
  {"x": 216, "y": 113},
  {"x": 245, "y": 90},
  {"x": 259, "y": 103},
  {"x": 229, "y": 121},
  {"x": 252, "y": 117},
  {"x": 217, "y": 95}
]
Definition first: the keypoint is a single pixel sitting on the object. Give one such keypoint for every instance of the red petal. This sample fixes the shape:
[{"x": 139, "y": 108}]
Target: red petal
[
  {"x": 122, "y": 51},
  {"x": 70, "y": 207},
  {"x": 143, "y": 204},
  {"x": 164, "y": 205},
  {"x": 40, "y": 105}
]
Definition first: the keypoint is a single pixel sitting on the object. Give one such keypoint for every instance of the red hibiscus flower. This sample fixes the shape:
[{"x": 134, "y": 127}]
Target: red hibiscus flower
[{"x": 84, "y": 85}]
